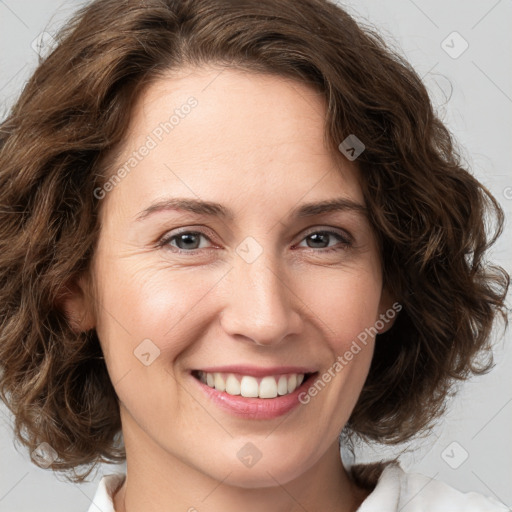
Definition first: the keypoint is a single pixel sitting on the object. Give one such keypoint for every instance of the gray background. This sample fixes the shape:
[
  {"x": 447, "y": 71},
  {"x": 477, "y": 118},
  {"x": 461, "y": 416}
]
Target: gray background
[{"x": 471, "y": 449}]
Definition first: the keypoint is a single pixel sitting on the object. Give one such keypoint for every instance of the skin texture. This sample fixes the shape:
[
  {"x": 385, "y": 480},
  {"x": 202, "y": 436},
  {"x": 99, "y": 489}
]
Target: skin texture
[{"x": 253, "y": 143}]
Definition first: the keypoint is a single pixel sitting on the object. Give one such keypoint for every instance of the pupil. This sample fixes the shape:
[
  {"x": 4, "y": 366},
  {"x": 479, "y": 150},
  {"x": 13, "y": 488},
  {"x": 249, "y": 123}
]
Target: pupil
[
  {"x": 315, "y": 238},
  {"x": 188, "y": 238}
]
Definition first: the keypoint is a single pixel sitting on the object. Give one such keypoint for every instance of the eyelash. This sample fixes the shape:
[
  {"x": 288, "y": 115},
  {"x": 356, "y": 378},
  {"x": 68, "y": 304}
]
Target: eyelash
[{"x": 346, "y": 241}]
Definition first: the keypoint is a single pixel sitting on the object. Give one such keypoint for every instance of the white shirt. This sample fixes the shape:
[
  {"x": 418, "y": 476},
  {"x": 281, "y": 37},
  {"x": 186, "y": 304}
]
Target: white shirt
[{"x": 395, "y": 491}]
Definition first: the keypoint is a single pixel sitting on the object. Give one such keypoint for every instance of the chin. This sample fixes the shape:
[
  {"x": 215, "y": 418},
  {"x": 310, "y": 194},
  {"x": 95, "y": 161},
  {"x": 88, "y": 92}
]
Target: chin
[{"x": 263, "y": 473}]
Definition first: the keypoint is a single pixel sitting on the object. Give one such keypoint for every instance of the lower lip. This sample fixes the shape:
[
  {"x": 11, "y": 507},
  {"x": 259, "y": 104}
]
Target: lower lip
[{"x": 254, "y": 408}]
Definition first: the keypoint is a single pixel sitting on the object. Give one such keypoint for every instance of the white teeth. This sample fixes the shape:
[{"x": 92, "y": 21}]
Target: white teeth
[
  {"x": 232, "y": 385},
  {"x": 282, "y": 385},
  {"x": 292, "y": 383},
  {"x": 219, "y": 382},
  {"x": 249, "y": 386},
  {"x": 270, "y": 386}
]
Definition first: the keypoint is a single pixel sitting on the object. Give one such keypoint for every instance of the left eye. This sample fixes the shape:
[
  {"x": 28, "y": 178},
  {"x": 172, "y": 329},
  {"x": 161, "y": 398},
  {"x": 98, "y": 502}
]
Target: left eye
[
  {"x": 322, "y": 237},
  {"x": 189, "y": 241}
]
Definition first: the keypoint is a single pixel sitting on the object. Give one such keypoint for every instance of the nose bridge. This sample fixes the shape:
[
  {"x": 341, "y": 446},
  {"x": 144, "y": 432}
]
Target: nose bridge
[{"x": 260, "y": 302}]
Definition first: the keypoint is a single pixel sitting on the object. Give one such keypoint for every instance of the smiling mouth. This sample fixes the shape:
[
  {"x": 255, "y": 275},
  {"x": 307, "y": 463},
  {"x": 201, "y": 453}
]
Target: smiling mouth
[{"x": 248, "y": 386}]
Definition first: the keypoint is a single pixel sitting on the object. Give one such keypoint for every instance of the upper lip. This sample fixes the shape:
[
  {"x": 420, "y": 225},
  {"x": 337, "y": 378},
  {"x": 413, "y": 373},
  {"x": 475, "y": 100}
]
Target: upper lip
[{"x": 257, "y": 371}]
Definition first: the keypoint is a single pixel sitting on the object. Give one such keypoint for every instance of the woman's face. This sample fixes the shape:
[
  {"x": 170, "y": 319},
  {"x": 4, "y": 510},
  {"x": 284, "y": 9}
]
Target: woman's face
[{"x": 259, "y": 293}]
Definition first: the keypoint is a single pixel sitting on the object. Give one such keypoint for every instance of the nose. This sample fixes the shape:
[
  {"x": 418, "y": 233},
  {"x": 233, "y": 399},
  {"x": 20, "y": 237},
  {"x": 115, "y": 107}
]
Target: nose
[{"x": 261, "y": 305}]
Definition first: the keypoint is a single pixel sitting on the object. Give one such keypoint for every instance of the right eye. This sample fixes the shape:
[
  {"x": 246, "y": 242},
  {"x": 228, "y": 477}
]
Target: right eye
[{"x": 184, "y": 242}]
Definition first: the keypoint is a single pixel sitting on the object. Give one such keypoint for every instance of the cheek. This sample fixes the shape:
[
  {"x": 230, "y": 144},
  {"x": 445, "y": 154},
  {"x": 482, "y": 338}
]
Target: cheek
[
  {"x": 141, "y": 303},
  {"x": 344, "y": 301},
  {"x": 152, "y": 301}
]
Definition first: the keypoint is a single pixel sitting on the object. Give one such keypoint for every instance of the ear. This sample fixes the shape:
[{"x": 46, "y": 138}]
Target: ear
[
  {"x": 75, "y": 301},
  {"x": 388, "y": 311}
]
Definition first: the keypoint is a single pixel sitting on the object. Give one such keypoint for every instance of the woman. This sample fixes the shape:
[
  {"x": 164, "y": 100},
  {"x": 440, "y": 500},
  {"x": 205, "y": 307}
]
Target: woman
[{"x": 334, "y": 279}]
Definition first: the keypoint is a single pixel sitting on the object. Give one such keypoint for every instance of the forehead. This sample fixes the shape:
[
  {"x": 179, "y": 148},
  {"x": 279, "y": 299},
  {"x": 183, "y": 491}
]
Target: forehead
[
  {"x": 235, "y": 111},
  {"x": 239, "y": 134}
]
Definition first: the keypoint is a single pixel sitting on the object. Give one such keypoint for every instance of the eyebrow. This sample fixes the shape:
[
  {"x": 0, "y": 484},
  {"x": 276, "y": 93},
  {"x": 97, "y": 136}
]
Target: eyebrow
[{"x": 213, "y": 209}]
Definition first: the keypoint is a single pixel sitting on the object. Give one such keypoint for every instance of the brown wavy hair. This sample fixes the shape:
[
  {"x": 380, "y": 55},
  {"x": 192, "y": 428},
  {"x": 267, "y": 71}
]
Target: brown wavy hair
[{"x": 428, "y": 212}]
